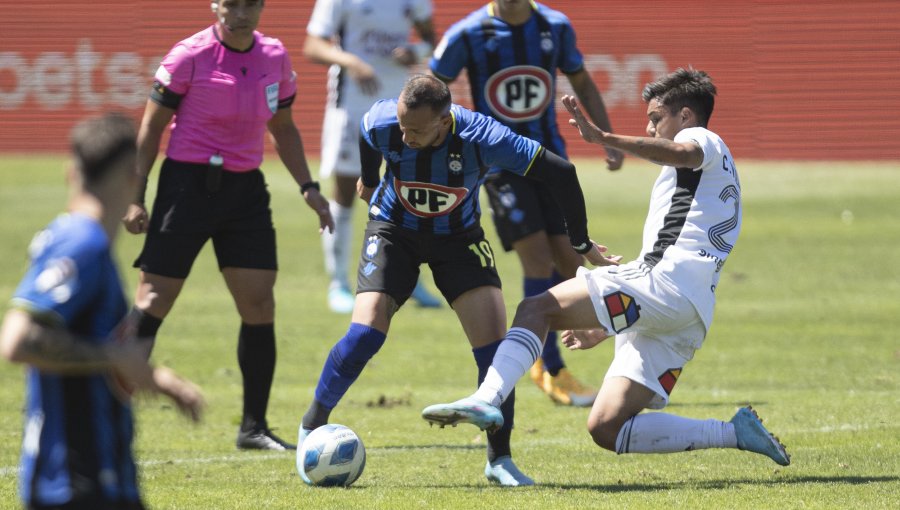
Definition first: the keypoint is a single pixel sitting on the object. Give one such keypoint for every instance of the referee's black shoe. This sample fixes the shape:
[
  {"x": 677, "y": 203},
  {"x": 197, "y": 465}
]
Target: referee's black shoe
[{"x": 261, "y": 438}]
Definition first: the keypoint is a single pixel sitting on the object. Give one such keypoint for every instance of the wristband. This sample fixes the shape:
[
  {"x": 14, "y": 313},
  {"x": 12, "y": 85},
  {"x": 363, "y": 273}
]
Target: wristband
[
  {"x": 583, "y": 248},
  {"x": 306, "y": 186}
]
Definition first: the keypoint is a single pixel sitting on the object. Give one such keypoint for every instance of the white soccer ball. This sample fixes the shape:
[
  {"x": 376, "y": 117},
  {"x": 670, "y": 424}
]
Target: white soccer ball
[{"x": 331, "y": 455}]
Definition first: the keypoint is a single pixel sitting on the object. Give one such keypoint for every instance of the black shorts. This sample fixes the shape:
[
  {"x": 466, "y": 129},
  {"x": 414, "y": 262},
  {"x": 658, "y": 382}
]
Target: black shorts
[
  {"x": 521, "y": 206},
  {"x": 391, "y": 256},
  {"x": 185, "y": 215}
]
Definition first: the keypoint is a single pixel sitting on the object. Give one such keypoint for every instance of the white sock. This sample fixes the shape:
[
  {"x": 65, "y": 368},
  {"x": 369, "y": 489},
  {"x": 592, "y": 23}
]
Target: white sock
[
  {"x": 336, "y": 245},
  {"x": 667, "y": 433},
  {"x": 515, "y": 355}
]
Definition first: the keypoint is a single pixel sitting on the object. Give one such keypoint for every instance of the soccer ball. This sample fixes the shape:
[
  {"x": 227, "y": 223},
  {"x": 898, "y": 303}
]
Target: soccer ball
[{"x": 331, "y": 455}]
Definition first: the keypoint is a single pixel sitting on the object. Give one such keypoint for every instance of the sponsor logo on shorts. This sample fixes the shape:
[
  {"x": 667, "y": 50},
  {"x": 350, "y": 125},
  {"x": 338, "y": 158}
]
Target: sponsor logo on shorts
[
  {"x": 428, "y": 200},
  {"x": 372, "y": 246},
  {"x": 369, "y": 269},
  {"x": 622, "y": 309},
  {"x": 669, "y": 378}
]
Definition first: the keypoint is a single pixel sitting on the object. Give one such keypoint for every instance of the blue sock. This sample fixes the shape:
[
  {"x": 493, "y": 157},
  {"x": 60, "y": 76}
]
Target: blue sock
[
  {"x": 346, "y": 361},
  {"x": 498, "y": 442},
  {"x": 551, "y": 356}
]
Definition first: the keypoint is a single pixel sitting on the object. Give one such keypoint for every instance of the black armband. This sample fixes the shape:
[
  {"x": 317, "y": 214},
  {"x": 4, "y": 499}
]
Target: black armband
[
  {"x": 286, "y": 102},
  {"x": 370, "y": 160},
  {"x": 162, "y": 96},
  {"x": 562, "y": 181}
]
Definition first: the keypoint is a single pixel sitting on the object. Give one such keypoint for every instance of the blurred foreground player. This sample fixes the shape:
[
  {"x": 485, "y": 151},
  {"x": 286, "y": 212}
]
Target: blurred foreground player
[{"x": 69, "y": 323}]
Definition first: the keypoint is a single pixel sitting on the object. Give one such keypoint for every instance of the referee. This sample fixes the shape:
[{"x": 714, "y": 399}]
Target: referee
[{"x": 224, "y": 87}]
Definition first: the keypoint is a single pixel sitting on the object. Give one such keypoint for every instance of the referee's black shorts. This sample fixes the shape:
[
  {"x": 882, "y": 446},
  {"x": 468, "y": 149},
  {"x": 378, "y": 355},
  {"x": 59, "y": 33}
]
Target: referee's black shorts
[
  {"x": 391, "y": 256},
  {"x": 185, "y": 215},
  {"x": 521, "y": 206}
]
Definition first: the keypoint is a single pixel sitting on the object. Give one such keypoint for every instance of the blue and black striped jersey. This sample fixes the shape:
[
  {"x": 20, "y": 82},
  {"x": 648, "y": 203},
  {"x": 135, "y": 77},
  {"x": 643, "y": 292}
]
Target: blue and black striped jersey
[
  {"x": 512, "y": 69},
  {"x": 78, "y": 434},
  {"x": 435, "y": 190}
]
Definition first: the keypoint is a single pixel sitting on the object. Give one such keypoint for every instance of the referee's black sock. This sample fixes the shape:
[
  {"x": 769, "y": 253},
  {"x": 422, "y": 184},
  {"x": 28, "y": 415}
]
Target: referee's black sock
[
  {"x": 147, "y": 327},
  {"x": 256, "y": 357}
]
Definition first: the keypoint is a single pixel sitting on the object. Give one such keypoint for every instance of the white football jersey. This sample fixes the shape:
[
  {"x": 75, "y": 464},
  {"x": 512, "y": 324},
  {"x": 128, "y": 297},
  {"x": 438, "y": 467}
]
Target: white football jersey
[
  {"x": 370, "y": 29},
  {"x": 694, "y": 221}
]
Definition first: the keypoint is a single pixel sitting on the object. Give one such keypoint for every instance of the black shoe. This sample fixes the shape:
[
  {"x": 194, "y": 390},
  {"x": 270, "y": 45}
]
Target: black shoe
[{"x": 261, "y": 439}]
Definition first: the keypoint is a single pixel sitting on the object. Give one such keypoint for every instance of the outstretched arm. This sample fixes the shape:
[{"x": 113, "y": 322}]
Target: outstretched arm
[
  {"x": 587, "y": 93},
  {"x": 23, "y": 339},
  {"x": 657, "y": 150},
  {"x": 562, "y": 182}
]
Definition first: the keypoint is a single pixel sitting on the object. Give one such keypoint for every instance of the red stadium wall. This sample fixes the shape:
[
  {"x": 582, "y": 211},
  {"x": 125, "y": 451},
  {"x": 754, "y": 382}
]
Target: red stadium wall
[{"x": 797, "y": 80}]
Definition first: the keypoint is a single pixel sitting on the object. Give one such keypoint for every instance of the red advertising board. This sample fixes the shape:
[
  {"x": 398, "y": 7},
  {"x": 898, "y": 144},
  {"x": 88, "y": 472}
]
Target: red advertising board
[{"x": 796, "y": 80}]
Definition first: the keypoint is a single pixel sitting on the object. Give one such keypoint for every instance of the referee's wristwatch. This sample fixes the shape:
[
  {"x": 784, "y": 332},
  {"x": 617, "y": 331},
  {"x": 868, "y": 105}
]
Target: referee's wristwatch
[{"x": 306, "y": 186}]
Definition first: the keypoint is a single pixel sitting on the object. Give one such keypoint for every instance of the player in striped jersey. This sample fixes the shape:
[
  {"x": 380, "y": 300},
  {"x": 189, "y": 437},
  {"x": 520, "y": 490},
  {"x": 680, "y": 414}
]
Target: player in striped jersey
[
  {"x": 512, "y": 50},
  {"x": 69, "y": 323},
  {"x": 425, "y": 210},
  {"x": 660, "y": 306}
]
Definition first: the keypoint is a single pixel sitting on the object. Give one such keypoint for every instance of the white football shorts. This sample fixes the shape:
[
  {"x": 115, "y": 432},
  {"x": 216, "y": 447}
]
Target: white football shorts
[
  {"x": 657, "y": 329},
  {"x": 340, "y": 143}
]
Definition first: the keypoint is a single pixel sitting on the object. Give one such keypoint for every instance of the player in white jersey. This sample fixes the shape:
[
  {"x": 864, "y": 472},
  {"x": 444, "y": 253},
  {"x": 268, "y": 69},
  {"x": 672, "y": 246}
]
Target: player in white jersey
[
  {"x": 367, "y": 44},
  {"x": 659, "y": 307}
]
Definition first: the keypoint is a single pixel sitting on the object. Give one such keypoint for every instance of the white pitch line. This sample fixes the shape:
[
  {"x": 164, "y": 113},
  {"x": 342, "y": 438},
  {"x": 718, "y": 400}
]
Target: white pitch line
[{"x": 7, "y": 471}]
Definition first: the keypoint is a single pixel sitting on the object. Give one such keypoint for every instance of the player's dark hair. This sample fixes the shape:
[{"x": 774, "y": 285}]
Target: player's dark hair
[
  {"x": 684, "y": 88},
  {"x": 99, "y": 143},
  {"x": 426, "y": 90}
]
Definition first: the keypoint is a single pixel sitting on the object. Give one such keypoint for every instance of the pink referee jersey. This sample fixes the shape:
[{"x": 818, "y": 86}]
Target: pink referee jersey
[{"x": 227, "y": 97}]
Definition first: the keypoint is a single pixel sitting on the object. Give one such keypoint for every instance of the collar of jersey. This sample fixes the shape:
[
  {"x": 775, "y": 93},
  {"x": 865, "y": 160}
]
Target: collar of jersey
[
  {"x": 490, "y": 7},
  {"x": 229, "y": 48}
]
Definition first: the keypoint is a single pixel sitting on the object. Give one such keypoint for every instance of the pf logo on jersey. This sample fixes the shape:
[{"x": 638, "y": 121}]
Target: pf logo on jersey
[
  {"x": 519, "y": 93},
  {"x": 428, "y": 200}
]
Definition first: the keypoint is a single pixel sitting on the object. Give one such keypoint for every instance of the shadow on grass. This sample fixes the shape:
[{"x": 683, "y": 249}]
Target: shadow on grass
[
  {"x": 721, "y": 484},
  {"x": 755, "y": 403},
  {"x": 647, "y": 487},
  {"x": 473, "y": 446}
]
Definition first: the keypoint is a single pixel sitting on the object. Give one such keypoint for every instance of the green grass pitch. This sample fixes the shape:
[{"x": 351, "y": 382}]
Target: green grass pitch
[{"x": 806, "y": 330}]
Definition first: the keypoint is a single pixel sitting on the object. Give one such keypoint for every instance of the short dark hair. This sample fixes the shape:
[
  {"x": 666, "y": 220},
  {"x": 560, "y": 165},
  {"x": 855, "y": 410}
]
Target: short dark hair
[
  {"x": 99, "y": 143},
  {"x": 684, "y": 88},
  {"x": 426, "y": 90}
]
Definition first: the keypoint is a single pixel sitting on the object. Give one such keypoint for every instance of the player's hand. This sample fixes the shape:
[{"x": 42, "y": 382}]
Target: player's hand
[
  {"x": 583, "y": 338},
  {"x": 364, "y": 192},
  {"x": 185, "y": 394},
  {"x": 590, "y": 132},
  {"x": 596, "y": 256},
  {"x": 614, "y": 159},
  {"x": 404, "y": 56},
  {"x": 319, "y": 204},
  {"x": 136, "y": 219},
  {"x": 365, "y": 76}
]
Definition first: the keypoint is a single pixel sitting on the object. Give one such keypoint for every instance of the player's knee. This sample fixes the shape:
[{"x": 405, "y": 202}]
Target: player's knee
[
  {"x": 603, "y": 433},
  {"x": 155, "y": 300},
  {"x": 535, "y": 307},
  {"x": 257, "y": 310}
]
